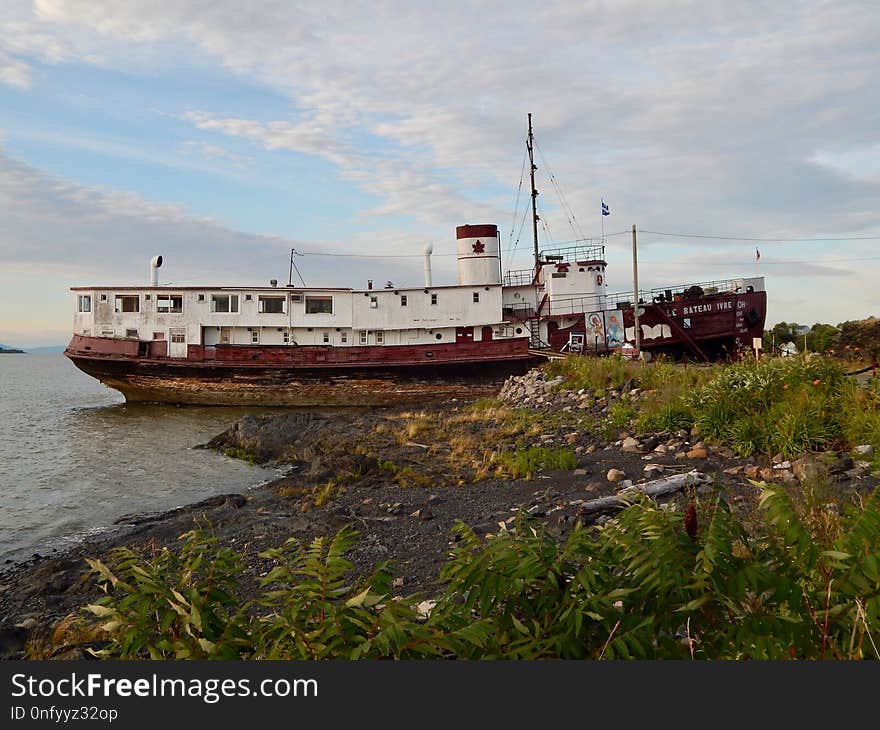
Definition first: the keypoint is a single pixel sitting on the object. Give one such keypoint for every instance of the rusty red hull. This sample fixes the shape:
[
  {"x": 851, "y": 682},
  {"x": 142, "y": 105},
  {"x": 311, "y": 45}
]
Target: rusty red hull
[
  {"x": 708, "y": 327},
  {"x": 300, "y": 376}
]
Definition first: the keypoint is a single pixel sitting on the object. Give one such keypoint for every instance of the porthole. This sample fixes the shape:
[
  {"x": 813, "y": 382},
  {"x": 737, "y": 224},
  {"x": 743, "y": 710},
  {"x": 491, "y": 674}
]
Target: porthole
[
  {"x": 519, "y": 330},
  {"x": 438, "y": 336}
]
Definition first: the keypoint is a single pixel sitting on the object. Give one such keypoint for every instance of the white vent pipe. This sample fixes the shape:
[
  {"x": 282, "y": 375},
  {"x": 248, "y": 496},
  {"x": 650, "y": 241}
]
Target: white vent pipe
[
  {"x": 429, "y": 249},
  {"x": 155, "y": 263}
]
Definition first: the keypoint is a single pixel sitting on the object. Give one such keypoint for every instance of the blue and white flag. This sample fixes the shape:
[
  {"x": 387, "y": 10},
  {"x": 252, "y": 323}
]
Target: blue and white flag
[{"x": 605, "y": 210}]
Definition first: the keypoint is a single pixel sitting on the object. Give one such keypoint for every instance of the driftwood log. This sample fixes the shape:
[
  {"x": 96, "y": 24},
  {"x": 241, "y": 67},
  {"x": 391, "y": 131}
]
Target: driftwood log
[{"x": 655, "y": 488}]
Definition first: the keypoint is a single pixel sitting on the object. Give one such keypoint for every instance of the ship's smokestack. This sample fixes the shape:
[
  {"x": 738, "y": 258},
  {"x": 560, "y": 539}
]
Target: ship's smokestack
[
  {"x": 429, "y": 249},
  {"x": 155, "y": 263}
]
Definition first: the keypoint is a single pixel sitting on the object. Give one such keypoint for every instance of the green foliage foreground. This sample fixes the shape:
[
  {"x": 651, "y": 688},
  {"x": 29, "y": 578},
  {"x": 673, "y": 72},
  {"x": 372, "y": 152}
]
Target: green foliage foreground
[
  {"x": 805, "y": 585},
  {"x": 785, "y": 405}
]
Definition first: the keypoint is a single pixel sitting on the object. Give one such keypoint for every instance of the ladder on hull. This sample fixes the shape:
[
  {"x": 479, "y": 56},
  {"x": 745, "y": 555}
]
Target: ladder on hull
[{"x": 535, "y": 341}]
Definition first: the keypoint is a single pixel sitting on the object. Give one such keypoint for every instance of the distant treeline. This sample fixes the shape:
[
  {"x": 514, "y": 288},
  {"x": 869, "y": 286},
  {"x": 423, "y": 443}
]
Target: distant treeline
[{"x": 858, "y": 339}]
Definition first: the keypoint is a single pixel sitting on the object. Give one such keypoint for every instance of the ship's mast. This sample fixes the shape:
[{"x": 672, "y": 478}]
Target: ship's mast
[{"x": 530, "y": 145}]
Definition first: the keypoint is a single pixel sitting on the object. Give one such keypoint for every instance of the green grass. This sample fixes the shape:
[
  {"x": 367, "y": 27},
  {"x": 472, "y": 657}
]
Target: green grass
[{"x": 526, "y": 462}]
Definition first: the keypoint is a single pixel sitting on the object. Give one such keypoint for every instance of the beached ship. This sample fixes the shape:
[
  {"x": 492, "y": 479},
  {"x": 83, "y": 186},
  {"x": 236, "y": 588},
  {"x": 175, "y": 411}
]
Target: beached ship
[{"x": 307, "y": 346}]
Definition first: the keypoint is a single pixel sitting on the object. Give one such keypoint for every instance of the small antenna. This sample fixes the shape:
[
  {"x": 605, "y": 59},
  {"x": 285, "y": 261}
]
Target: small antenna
[{"x": 293, "y": 267}]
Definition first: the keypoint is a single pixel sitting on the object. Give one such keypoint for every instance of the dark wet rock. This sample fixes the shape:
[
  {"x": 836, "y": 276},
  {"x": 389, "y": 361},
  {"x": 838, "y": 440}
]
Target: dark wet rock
[
  {"x": 273, "y": 437},
  {"x": 841, "y": 465},
  {"x": 220, "y": 501},
  {"x": 12, "y": 641}
]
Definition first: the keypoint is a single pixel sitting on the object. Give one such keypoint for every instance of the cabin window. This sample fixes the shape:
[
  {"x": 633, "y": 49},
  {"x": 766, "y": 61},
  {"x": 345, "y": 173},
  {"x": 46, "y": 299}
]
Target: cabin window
[
  {"x": 326, "y": 337},
  {"x": 403, "y": 300},
  {"x": 558, "y": 275},
  {"x": 128, "y": 303},
  {"x": 476, "y": 297},
  {"x": 272, "y": 305},
  {"x": 108, "y": 333},
  {"x": 158, "y": 335},
  {"x": 255, "y": 337},
  {"x": 363, "y": 337},
  {"x": 224, "y": 303},
  {"x": 319, "y": 305},
  {"x": 296, "y": 297},
  {"x": 247, "y": 297},
  {"x": 380, "y": 337},
  {"x": 343, "y": 337},
  {"x": 433, "y": 299},
  {"x": 374, "y": 302},
  {"x": 201, "y": 297},
  {"x": 178, "y": 336},
  {"x": 103, "y": 297},
  {"x": 169, "y": 303},
  {"x": 84, "y": 303},
  {"x": 286, "y": 337},
  {"x": 131, "y": 333}
]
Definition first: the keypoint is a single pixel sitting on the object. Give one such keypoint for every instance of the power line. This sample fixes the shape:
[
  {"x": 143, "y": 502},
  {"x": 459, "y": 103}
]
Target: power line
[
  {"x": 774, "y": 263},
  {"x": 341, "y": 254},
  {"x": 760, "y": 239}
]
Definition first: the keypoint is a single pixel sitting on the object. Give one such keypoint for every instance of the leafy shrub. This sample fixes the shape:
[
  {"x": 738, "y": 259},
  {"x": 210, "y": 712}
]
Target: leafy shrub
[
  {"x": 783, "y": 405},
  {"x": 804, "y": 583},
  {"x": 172, "y": 605}
]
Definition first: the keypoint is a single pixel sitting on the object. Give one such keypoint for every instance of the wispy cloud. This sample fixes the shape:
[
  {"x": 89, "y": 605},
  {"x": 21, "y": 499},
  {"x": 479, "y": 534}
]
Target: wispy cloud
[
  {"x": 693, "y": 116},
  {"x": 215, "y": 152}
]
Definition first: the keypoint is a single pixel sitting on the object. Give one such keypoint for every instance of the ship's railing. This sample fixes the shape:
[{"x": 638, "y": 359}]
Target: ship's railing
[
  {"x": 680, "y": 292},
  {"x": 521, "y": 277},
  {"x": 576, "y": 305},
  {"x": 587, "y": 249},
  {"x": 622, "y": 300},
  {"x": 518, "y": 311}
]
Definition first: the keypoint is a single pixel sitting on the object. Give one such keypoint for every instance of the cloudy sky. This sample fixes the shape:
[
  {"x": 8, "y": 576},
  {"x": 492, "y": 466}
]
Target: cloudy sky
[{"x": 222, "y": 133}]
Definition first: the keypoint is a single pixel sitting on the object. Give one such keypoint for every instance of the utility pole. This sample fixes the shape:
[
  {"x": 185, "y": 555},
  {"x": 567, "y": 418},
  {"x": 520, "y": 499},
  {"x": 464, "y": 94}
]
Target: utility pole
[
  {"x": 530, "y": 146},
  {"x": 636, "y": 294}
]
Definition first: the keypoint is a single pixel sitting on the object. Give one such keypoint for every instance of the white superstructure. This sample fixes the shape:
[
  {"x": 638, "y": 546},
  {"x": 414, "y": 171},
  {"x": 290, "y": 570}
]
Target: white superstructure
[{"x": 478, "y": 308}]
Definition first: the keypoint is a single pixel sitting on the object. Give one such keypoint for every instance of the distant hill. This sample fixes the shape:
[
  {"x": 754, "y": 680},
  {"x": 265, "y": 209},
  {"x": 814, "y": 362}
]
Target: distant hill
[
  {"x": 45, "y": 350},
  {"x": 35, "y": 350}
]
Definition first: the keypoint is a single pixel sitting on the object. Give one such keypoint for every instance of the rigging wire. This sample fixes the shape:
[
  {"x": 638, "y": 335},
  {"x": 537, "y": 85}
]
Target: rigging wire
[
  {"x": 569, "y": 212},
  {"x": 543, "y": 219},
  {"x": 522, "y": 175},
  {"x": 511, "y": 244},
  {"x": 512, "y": 251}
]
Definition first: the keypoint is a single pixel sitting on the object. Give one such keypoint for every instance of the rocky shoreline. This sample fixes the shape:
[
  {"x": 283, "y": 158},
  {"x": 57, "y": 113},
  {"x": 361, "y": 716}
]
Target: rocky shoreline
[{"x": 403, "y": 479}]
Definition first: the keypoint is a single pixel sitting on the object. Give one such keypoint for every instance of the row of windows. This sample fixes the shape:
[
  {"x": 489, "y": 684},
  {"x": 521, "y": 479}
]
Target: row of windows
[
  {"x": 220, "y": 303},
  {"x": 229, "y": 303},
  {"x": 179, "y": 336},
  {"x": 374, "y": 300}
]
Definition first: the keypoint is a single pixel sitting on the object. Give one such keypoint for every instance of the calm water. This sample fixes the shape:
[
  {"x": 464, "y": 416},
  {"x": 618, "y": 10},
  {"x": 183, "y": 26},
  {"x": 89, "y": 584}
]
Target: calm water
[{"x": 74, "y": 456}]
